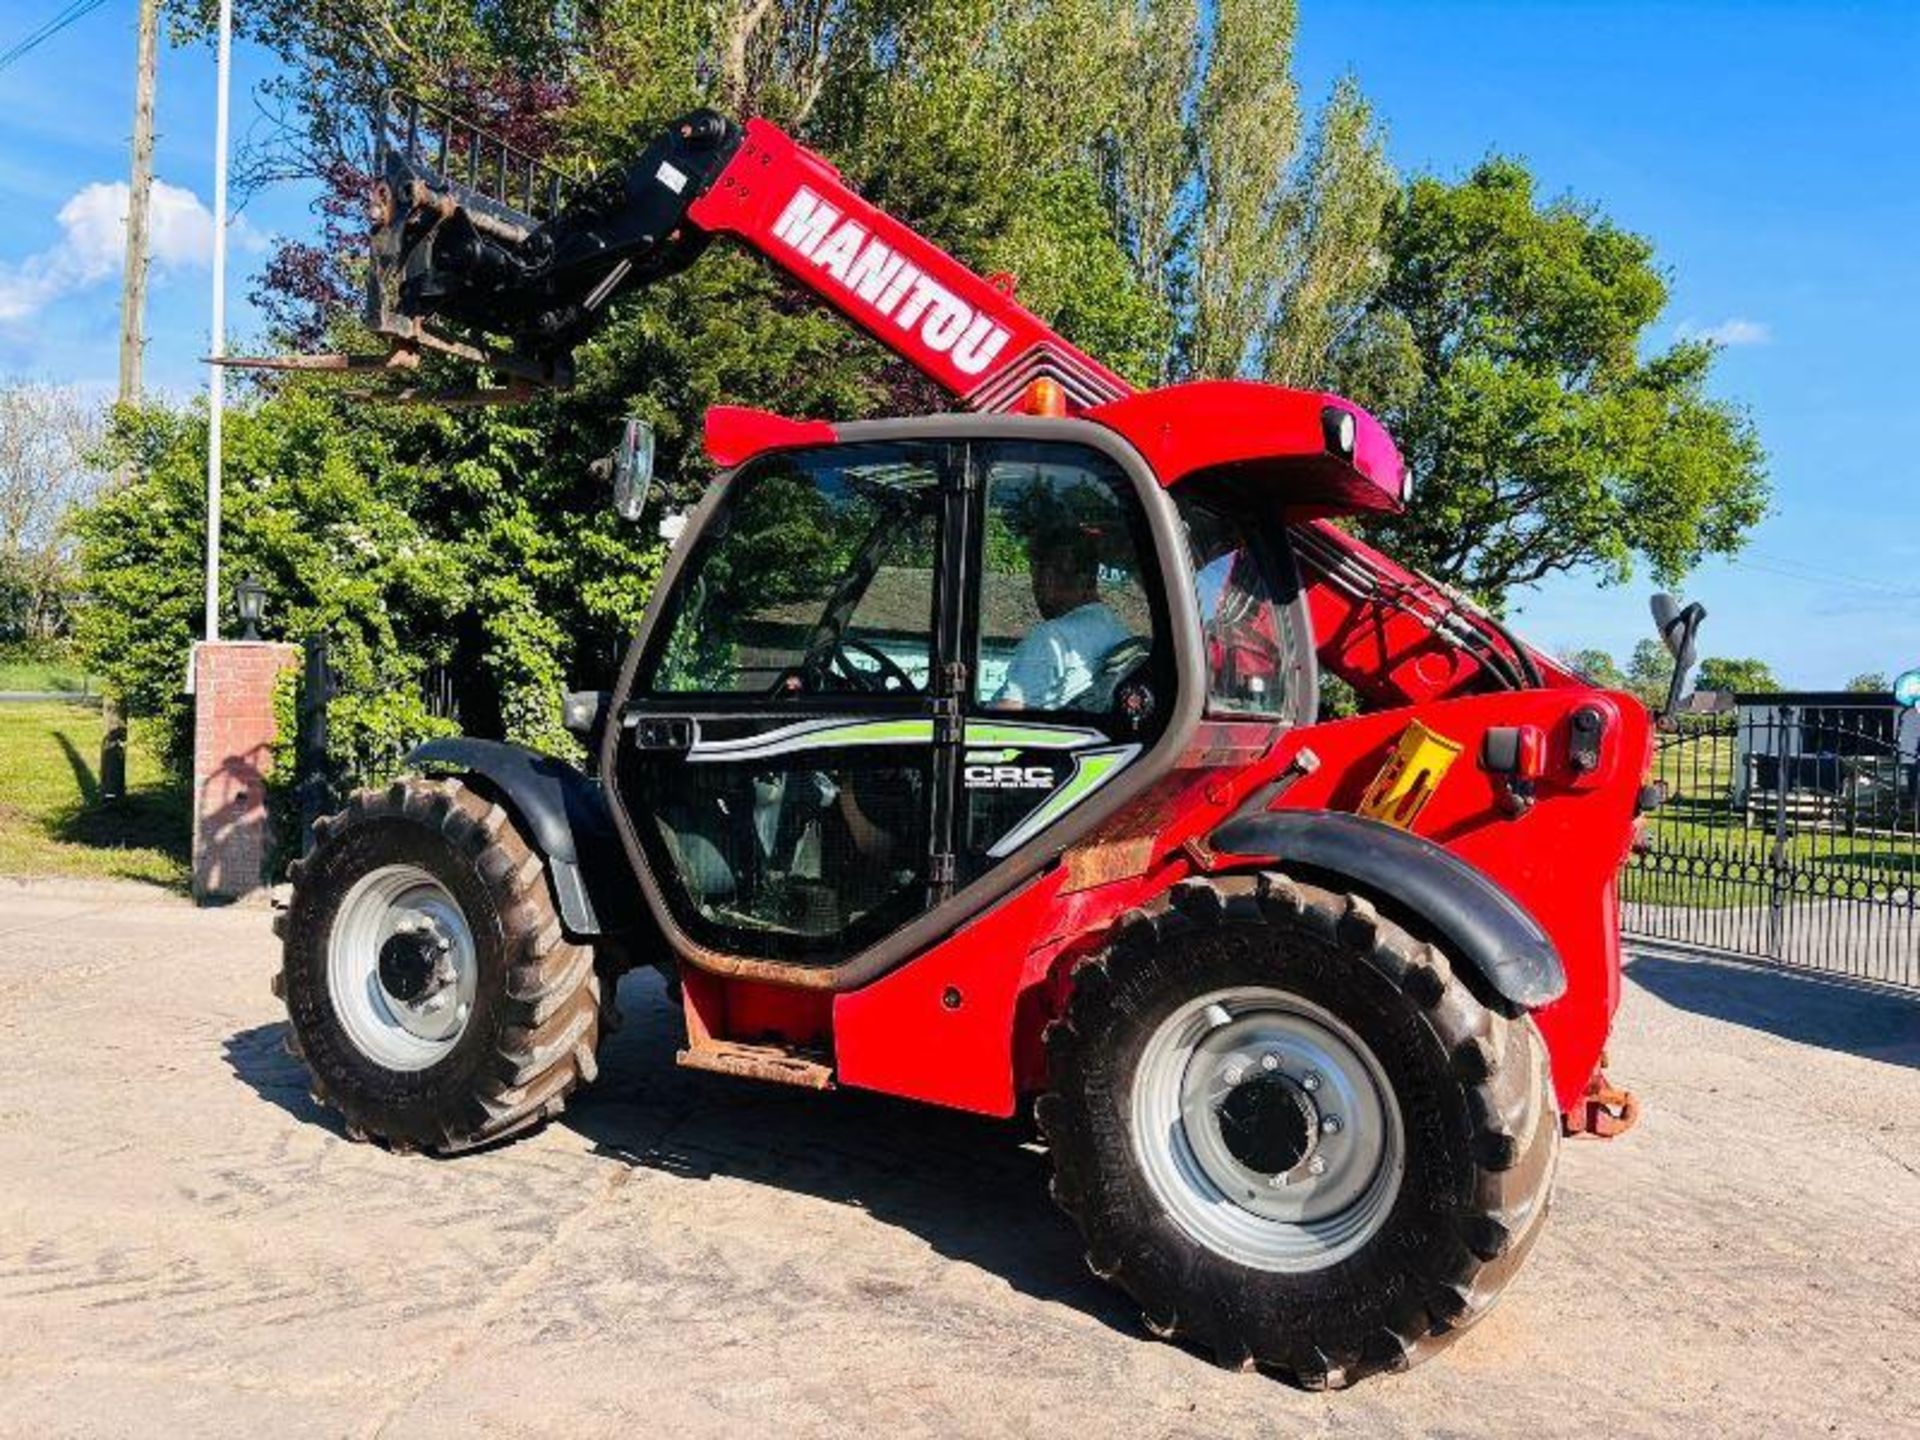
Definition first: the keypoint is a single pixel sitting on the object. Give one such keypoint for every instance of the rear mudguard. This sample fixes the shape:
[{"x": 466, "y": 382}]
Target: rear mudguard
[
  {"x": 1475, "y": 919},
  {"x": 566, "y": 819}
]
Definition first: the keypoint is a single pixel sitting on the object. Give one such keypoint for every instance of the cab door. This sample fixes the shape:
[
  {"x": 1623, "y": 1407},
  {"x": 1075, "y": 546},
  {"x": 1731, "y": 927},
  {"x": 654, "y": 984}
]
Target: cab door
[
  {"x": 790, "y": 750},
  {"x": 1070, "y": 670}
]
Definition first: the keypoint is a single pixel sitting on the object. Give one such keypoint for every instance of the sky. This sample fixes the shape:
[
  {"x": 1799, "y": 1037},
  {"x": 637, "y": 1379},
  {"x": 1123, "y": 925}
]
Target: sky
[{"x": 1771, "y": 150}]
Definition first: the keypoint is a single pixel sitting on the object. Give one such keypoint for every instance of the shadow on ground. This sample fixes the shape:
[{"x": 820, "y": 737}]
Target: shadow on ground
[
  {"x": 973, "y": 1189},
  {"x": 259, "y": 1057},
  {"x": 148, "y": 817},
  {"x": 1807, "y": 1009}
]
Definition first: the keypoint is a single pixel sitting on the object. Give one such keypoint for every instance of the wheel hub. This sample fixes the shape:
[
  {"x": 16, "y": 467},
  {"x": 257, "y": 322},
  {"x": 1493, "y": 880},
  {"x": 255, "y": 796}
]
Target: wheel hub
[
  {"x": 413, "y": 962},
  {"x": 402, "y": 967},
  {"x": 1269, "y": 1124},
  {"x": 1267, "y": 1128}
]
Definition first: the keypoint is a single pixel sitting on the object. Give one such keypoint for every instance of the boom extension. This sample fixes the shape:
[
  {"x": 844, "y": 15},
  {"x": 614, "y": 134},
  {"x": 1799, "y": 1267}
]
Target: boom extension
[{"x": 475, "y": 241}]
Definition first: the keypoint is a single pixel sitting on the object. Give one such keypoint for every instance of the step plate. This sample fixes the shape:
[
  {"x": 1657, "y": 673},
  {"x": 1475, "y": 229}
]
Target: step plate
[{"x": 760, "y": 1062}]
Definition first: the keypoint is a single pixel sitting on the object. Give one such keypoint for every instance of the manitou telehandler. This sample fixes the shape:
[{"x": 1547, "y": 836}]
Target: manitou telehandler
[{"x": 975, "y": 758}]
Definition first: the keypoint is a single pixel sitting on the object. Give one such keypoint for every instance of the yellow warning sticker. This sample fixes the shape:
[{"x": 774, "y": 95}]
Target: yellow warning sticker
[{"x": 1419, "y": 762}]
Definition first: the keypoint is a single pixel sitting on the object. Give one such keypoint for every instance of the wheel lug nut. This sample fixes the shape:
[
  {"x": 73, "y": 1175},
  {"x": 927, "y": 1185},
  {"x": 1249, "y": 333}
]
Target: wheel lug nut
[
  {"x": 1317, "y": 1165},
  {"x": 1269, "y": 1063},
  {"x": 1310, "y": 1082},
  {"x": 1330, "y": 1125},
  {"x": 1234, "y": 1077}
]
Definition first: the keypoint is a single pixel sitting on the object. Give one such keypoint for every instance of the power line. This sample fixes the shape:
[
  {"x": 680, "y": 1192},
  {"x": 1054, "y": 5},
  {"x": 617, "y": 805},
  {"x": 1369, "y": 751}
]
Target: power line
[
  {"x": 1827, "y": 581},
  {"x": 75, "y": 10},
  {"x": 1823, "y": 572}
]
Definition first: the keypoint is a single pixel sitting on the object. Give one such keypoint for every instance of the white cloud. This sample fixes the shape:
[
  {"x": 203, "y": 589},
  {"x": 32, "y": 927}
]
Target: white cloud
[
  {"x": 92, "y": 245},
  {"x": 1729, "y": 332}
]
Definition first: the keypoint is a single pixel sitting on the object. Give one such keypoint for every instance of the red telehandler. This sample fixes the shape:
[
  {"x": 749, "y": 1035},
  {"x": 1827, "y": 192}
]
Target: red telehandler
[{"x": 975, "y": 759}]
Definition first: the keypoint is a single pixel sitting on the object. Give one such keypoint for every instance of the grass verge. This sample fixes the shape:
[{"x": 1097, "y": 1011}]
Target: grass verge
[
  {"x": 52, "y": 820},
  {"x": 43, "y": 676}
]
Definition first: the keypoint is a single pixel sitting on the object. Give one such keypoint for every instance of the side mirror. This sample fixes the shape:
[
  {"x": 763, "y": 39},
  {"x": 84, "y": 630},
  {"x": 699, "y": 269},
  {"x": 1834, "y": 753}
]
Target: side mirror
[
  {"x": 1679, "y": 628},
  {"x": 633, "y": 469}
]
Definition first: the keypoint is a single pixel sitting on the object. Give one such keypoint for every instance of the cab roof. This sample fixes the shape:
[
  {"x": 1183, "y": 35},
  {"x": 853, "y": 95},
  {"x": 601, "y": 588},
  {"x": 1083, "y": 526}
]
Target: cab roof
[
  {"x": 1317, "y": 454},
  {"x": 1320, "y": 454}
]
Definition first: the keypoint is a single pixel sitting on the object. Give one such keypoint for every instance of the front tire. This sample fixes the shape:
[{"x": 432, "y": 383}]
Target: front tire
[
  {"x": 1292, "y": 1133},
  {"x": 431, "y": 991}
]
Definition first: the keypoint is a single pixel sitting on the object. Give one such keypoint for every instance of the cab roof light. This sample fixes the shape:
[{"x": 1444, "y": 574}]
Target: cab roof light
[{"x": 1045, "y": 396}]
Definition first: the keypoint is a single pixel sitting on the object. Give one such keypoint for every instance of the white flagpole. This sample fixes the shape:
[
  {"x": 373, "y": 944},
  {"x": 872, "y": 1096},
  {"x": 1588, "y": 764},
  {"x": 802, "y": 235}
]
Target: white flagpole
[{"x": 216, "y": 380}]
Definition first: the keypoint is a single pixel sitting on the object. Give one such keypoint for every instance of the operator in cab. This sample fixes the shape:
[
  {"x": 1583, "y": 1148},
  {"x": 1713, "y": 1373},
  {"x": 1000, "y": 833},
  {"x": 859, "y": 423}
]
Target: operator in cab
[{"x": 1060, "y": 658}]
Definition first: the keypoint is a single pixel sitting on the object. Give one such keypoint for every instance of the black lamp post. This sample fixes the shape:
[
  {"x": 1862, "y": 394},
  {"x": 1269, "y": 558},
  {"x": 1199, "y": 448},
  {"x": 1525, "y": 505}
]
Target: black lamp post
[{"x": 250, "y": 598}]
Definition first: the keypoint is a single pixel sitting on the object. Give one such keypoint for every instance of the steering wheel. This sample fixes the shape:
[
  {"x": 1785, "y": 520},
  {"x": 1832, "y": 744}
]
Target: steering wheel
[{"x": 891, "y": 679}]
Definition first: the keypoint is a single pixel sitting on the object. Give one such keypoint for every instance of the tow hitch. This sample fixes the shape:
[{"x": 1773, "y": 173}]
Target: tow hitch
[{"x": 1605, "y": 1111}]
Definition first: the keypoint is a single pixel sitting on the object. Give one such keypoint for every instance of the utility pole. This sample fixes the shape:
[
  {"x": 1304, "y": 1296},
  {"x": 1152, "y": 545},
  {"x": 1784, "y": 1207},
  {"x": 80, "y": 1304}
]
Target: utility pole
[
  {"x": 133, "y": 286},
  {"x": 133, "y": 327}
]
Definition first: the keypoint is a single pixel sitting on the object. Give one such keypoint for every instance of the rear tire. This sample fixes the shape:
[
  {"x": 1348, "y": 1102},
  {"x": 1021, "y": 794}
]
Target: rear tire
[
  {"x": 432, "y": 993},
  {"x": 1192, "y": 1077}
]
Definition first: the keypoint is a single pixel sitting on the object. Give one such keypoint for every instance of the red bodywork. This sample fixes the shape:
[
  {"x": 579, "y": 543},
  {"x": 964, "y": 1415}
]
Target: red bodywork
[{"x": 960, "y": 1025}]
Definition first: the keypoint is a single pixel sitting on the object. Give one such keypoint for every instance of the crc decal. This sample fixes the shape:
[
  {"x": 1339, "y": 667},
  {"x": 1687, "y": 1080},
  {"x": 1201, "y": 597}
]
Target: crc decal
[{"x": 1009, "y": 777}]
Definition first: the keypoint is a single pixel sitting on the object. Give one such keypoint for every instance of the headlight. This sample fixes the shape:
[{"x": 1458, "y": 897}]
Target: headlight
[{"x": 1339, "y": 428}]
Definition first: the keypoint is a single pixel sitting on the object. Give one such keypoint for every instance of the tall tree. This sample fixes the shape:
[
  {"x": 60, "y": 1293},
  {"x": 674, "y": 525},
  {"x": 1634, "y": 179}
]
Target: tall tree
[
  {"x": 1510, "y": 352},
  {"x": 1257, "y": 231},
  {"x": 1330, "y": 260},
  {"x": 1873, "y": 682},
  {"x": 48, "y": 439},
  {"x": 1246, "y": 138}
]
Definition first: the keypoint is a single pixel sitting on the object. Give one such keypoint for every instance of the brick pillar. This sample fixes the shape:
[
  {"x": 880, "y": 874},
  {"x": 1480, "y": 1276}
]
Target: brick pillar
[{"x": 232, "y": 732}]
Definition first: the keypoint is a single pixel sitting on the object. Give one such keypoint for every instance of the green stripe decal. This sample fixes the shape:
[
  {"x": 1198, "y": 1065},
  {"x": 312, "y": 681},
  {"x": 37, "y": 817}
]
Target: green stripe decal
[
  {"x": 1029, "y": 737},
  {"x": 831, "y": 734},
  {"x": 814, "y": 735},
  {"x": 1090, "y": 772}
]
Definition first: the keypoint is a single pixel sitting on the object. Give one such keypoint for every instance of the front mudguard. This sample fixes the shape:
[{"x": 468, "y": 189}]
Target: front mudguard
[
  {"x": 1479, "y": 922},
  {"x": 565, "y": 816}
]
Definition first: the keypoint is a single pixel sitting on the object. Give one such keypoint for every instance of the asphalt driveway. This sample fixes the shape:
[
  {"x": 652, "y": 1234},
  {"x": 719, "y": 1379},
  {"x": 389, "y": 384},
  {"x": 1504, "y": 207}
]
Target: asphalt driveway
[{"x": 188, "y": 1246}]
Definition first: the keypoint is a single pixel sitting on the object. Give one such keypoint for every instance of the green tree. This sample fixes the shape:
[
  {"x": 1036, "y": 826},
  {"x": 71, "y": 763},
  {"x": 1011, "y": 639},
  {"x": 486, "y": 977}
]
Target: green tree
[
  {"x": 1598, "y": 667},
  {"x": 1509, "y": 352},
  {"x": 1257, "y": 231},
  {"x": 1736, "y": 676},
  {"x": 1872, "y": 682},
  {"x": 1650, "y": 672}
]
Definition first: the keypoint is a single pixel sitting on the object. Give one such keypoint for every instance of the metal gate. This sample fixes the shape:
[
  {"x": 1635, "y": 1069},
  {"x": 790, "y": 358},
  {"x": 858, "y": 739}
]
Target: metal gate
[{"x": 1791, "y": 834}]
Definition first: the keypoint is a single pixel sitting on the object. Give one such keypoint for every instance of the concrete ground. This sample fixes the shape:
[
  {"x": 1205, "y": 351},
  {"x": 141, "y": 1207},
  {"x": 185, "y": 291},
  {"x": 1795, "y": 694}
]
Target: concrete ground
[{"x": 188, "y": 1246}]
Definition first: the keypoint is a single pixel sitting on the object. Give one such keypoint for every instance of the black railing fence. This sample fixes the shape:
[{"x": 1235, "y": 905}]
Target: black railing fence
[{"x": 1791, "y": 834}]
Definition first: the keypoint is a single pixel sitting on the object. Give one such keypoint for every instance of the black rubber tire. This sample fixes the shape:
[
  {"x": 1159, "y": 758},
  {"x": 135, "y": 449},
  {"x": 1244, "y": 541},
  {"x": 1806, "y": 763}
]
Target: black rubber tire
[
  {"x": 536, "y": 1018},
  {"x": 1481, "y": 1130}
]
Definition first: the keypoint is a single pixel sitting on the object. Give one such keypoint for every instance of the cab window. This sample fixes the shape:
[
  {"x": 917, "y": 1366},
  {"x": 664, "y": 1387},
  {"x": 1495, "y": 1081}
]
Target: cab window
[
  {"x": 1065, "y": 617},
  {"x": 818, "y": 576},
  {"x": 1250, "y": 629}
]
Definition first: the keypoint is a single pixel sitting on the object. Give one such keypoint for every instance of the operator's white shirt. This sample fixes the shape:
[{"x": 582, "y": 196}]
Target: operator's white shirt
[{"x": 1057, "y": 659}]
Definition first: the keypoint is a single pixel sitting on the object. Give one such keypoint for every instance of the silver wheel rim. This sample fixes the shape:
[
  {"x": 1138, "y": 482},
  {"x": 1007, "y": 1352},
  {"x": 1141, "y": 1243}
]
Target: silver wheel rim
[
  {"x": 1293, "y": 1175},
  {"x": 409, "y": 1011}
]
